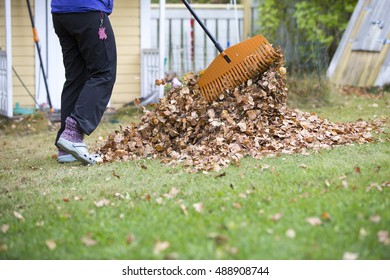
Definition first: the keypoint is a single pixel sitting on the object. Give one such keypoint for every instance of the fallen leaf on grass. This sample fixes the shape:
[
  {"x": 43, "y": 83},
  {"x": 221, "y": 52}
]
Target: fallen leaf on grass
[
  {"x": 3, "y": 248},
  {"x": 171, "y": 256},
  {"x": 236, "y": 205},
  {"x": 102, "y": 202},
  {"x": 18, "y": 216},
  {"x": 375, "y": 218},
  {"x": 326, "y": 216},
  {"x": 159, "y": 200},
  {"x": 232, "y": 250},
  {"x": 221, "y": 175},
  {"x": 40, "y": 223},
  {"x": 242, "y": 195},
  {"x": 160, "y": 246},
  {"x": 374, "y": 186},
  {"x": 357, "y": 169},
  {"x": 265, "y": 166},
  {"x": 146, "y": 197},
  {"x": 276, "y": 217},
  {"x": 218, "y": 239},
  {"x": 172, "y": 193},
  {"x": 198, "y": 207},
  {"x": 314, "y": 221},
  {"x": 183, "y": 209},
  {"x": 119, "y": 195},
  {"x": 383, "y": 237},
  {"x": 350, "y": 256},
  {"x": 115, "y": 175},
  {"x": 362, "y": 233},
  {"x": 143, "y": 166},
  {"x": 88, "y": 241},
  {"x": 290, "y": 233},
  {"x": 137, "y": 101},
  {"x": 130, "y": 238},
  {"x": 51, "y": 244},
  {"x": 4, "y": 228}
]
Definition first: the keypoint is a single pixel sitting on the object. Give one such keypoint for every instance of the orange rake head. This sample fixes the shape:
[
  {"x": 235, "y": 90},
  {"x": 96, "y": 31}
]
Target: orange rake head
[{"x": 248, "y": 59}]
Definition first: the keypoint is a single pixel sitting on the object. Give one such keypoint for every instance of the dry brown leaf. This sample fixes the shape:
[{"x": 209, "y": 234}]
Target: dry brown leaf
[
  {"x": 276, "y": 217},
  {"x": 18, "y": 216},
  {"x": 357, "y": 169},
  {"x": 102, "y": 202},
  {"x": 290, "y": 233},
  {"x": 198, "y": 207},
  {"x": 362, "y": 233},
  {"x": 314, "y": 221},
  {"x": 115, "y": 175},
  {"x": 173, "y": 192},
  {"x": 236, "y": 205},
  {"x": 160, "y": 246},
  {"x": 4, "y": 228},
  {"x": 374, "y": 186},
  {"x": 51, "y": 244},
  {"x": 137, "y": 101},
  {"x": 40, "y": 223},
  {"x": 184, "y": 209},
  {"x": 326, "y": 216},
  {"x": 218, "y": 238},
  {"x": 88, "y": 241},
  {"x": 350, "y": 256},
  {"x": 130, "y": 238},
  {"x": 220, "y": 175},
  {"x": 146, "y": 197},
  {"x": 383, "y": 237},
  {"x": 375, "y": 218},
  {"x": 3, "y": 248}
]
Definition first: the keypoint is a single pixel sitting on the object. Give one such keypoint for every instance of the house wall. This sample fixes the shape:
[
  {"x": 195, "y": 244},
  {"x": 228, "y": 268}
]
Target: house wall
[
  {"x": 22, "y": 51},
  {"x": 125, "y": 20}
]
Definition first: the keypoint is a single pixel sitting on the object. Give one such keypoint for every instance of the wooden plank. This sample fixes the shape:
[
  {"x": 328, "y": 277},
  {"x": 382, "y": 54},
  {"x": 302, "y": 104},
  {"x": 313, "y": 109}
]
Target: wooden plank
[
  {"x": 132, "y": 31},
  {"x": 375, "y": 28},
  {"x": 29, "y": 81},
  {"x": 383, "y": 77},
  {"x": 335, "y": 66}
]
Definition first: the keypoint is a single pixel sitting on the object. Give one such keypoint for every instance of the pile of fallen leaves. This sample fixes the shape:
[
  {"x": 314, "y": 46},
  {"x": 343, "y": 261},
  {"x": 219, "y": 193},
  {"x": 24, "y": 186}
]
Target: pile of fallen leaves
[{"x": 252, "y": 120}]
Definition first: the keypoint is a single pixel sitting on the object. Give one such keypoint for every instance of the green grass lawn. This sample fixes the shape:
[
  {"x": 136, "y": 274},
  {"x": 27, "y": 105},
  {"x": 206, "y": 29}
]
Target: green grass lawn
[{"x": 331, "y": 204}]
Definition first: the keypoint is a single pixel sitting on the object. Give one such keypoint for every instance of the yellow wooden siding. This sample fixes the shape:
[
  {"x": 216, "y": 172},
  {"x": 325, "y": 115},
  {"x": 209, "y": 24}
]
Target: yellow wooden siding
[
  {"x": 23, "y": 51},
  {"x": 125, "y": 20}
]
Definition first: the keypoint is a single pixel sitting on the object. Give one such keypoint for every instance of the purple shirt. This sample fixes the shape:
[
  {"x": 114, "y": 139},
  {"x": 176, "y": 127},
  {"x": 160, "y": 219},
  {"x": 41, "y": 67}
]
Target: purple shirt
[{"x": 81, "y": 6}]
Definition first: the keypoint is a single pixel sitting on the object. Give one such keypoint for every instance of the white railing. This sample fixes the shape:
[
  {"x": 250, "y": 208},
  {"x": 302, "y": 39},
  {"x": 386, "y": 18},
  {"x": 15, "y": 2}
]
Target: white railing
[
  {"x": 149, "y": 74},
  {"x": 4, "y": 110}
]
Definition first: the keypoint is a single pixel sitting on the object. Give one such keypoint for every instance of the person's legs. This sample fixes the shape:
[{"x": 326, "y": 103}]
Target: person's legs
[
  {"x": 90, "y": 67},
  {"x": 75, "y": 70},
  {"x": 100, "y": 58}
]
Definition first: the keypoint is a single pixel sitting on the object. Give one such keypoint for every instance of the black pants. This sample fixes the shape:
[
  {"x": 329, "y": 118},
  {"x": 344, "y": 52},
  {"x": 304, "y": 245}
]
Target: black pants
[{"x": 90, "y": 67}]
